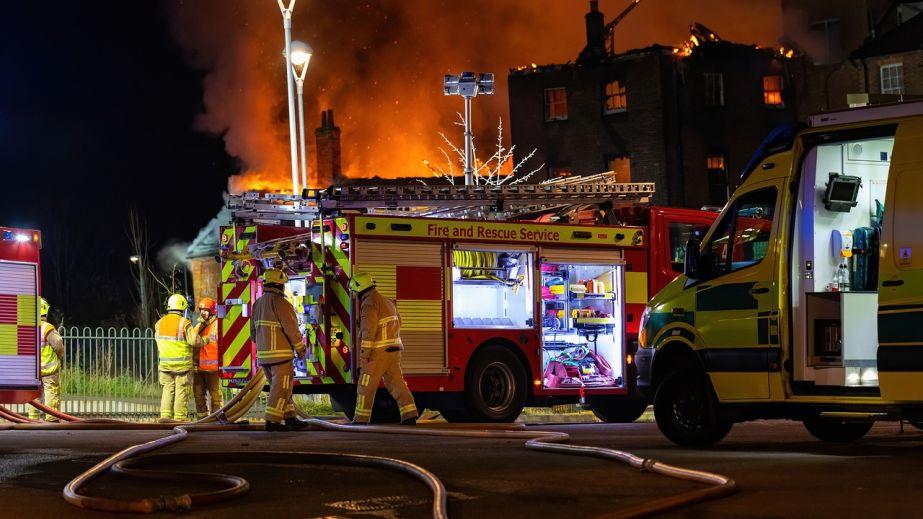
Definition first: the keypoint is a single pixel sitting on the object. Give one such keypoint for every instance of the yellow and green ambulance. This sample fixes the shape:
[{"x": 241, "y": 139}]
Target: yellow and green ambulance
[{"x": 804, "y": 300}]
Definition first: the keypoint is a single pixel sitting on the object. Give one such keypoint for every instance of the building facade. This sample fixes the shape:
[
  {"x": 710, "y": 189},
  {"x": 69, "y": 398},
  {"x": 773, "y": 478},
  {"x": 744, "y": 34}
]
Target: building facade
[{"x": 686, "y": 118}]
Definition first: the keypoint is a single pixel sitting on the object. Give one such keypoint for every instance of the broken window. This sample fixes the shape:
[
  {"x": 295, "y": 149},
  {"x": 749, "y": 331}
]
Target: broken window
[
  {"x": 772, "y": 91},
  {"x": 556, "y": 104},
  {"x": 616, "y": 97},
  {"x": 714, "y": 89}
]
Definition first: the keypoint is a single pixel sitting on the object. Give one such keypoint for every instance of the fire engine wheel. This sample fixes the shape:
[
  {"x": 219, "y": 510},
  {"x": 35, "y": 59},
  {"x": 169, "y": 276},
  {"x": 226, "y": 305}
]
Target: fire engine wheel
[
  {"x": 617, "y": 409},
  {"x": 686, "y": 411},
  {"x": 495, "y": 386},
  {"x": 836, "y": 431}
]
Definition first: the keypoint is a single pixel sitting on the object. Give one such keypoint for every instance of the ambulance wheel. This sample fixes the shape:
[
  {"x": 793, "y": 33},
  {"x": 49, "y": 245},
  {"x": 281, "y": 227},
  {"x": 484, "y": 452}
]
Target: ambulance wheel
[
  {"x": 686, "y": 411},
  {"x": 495, "y": 386},
  {"x": 617, "y": 409},
  {"x": 836, "y": 431}
]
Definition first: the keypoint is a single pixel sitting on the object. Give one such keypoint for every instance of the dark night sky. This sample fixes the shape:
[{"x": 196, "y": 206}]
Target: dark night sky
[{"x": 96, "y": 112}]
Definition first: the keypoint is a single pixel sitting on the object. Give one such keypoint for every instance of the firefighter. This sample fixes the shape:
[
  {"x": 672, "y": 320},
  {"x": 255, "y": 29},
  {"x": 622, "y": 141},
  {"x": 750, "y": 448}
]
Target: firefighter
[
  {"x": 380, "y": 343},
  {"x": 205, "y": 379},
  {"x": 52, "y": 356},
  {"x": 176, "y": 338},
  {"x": 274, "y": 327}
]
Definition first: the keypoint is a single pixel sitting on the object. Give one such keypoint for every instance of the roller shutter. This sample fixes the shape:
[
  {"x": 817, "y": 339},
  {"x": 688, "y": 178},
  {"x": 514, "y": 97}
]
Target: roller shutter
[{"x": 19, "y": 335}]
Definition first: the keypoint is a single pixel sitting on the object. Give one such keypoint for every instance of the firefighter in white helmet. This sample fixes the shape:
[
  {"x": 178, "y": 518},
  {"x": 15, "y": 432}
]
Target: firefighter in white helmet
[
  {"x": 380, "y": 351},
  {"x": 176, "y": 337},
  {"x": 52, "y": 356},
  {"x": 274, "y": 328}
]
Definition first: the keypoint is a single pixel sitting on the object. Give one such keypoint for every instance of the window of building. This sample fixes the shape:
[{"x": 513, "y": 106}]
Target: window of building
[
  {"x": 559, "y": 172},
  {"x": 616, "y": 97},
  {"x": 714, "y": 89},
  {"x": 892, "y": 78},
  {"x": 717, "y": 179},
  {"x": 556, "y": 104},
  {"x": 772, "y": 91},
  {"x": 621, "y": 166}
]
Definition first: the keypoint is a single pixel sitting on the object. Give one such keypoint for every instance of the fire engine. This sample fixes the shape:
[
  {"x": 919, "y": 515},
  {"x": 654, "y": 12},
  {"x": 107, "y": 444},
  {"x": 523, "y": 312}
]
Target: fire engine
[
  {"x": 501, "y": 308},
  {"x": 19, "y": 315}
]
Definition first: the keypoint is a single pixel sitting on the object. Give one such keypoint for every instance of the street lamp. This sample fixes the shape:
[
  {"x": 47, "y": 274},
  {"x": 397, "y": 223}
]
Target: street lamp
[
  {"x": 468, "y": 86},
  {"x": 142, "y": 289},
  {"x": 301, "y": 56},
  {"x": 287, "y": 27}
]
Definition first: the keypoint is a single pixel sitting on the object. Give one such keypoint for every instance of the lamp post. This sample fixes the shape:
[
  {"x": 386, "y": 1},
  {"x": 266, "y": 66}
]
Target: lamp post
[
  {"x": 139, "y": 261},
  {"x": 468, "y": 86},
  {"x": 287, "y": 27},
  {"x": 301, "y": 56}
]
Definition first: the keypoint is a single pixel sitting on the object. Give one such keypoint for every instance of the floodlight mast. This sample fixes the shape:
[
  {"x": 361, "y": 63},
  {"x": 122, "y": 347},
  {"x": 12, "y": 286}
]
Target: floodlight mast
[
  {"x": 468, "y": 86},
  {"x": 287, "y": 28}
]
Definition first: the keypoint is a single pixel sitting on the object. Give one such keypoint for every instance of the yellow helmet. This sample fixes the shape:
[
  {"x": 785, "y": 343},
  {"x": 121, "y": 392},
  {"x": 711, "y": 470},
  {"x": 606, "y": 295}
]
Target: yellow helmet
[
  {"x": 43, "y": 306},
  {"x": 177, "y": 302},
  {"x": 274, "y": 277},
  {"x": 361, "y": 281}
]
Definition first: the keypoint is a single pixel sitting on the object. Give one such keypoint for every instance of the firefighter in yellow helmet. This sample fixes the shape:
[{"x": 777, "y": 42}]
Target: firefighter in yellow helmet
[
  {"x": 380, "y": 348},
  {"x": 52, "y": 357},
  {"x": 205, "y": 361},
  {"x": 176, "y": 338},
  {"x": 274, "y": 328}
]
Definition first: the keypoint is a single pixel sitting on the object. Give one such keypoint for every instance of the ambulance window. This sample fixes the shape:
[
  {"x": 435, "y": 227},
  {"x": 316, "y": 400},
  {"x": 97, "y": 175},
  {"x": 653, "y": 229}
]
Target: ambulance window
[
  {"x": 718, "y": 245},
  {"x": 680, "y": 233},
  {"x": 753, "y": 227}
]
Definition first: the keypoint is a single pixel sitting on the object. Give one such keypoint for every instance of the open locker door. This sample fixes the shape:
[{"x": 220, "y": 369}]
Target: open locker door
[{"x": 900, "y": 310}]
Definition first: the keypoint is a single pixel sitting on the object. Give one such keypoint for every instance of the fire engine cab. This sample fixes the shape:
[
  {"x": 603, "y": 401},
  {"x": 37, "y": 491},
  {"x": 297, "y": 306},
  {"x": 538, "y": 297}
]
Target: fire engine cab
[
  {"x": 496, "y": 315},
  {"x": 19, "y": 315}
]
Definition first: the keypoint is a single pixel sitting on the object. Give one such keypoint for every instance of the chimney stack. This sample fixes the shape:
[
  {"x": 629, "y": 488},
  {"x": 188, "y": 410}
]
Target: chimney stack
[
  {"x": 327, "y": 139},
  {"x": 595, "y": 49}
]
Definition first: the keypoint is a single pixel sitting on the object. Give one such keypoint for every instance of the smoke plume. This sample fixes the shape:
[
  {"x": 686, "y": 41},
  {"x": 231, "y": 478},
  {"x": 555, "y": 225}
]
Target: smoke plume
[{"x": 379, "y": 65}]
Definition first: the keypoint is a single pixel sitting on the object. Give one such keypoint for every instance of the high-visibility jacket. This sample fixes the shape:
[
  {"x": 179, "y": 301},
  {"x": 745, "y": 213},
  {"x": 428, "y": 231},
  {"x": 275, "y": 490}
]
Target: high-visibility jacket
[
  {"x": 208, "y": 354},
  {"x": 379, "y": 322},
  {"x": 52, "y": 349},
  {"x": 274, "y": 328},
  {"x": 175, "y": 339}
]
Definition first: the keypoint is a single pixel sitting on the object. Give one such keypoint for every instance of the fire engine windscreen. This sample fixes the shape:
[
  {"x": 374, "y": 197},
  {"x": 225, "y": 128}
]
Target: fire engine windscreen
[
  {"x": 492, "y": 289},
  {"x": 582, "y": 325}
]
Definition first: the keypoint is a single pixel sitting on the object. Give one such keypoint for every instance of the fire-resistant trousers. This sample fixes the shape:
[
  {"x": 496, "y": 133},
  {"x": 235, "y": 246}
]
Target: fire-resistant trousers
[
  {"x": 379, "y": 364},
  {"x": 51, "y": 396},
  {"x": 279, "y": 404},
  {"x": 206, "y": 382},
  {"x": 174, "y": 401}
]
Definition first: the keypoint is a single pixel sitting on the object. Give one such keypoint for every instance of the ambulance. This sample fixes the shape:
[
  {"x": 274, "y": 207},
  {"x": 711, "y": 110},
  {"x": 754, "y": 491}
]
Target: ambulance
[
  {"x": 804, "y": 300},
  {"x": 496, "y": 315},
  {"x": 19, "y": 315}
]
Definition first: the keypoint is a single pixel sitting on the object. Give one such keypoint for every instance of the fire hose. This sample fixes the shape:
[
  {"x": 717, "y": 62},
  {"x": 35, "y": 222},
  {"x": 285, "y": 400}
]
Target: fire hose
[{"x": 127, "y": 462}]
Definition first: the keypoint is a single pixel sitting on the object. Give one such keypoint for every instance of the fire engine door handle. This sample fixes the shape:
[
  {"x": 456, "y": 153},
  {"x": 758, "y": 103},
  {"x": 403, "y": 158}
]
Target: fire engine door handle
[
  {"x": 756, "y": 291},
  {"x": 892, "y": 283}
]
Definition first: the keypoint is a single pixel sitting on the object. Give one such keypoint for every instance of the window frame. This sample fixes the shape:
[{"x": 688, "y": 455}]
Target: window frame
[
  {"x": 767, "y": 92},
  {"x": 710, "y": 172},
  {"x": 548, "y": 105},
  {"x": 620, "y": 93},
  {"x": 709, "y": 102},
  {"x": 732, "y": 213},
  {"x": 881, "y": 78}
]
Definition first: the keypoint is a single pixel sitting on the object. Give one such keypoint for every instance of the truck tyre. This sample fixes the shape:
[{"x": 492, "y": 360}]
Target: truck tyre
[
  {"x": 617, "y": 409},
  {"x": 495, "y": 386},
  {"x": 686, "y": 411},
  {"x": 836, "y": 431}
]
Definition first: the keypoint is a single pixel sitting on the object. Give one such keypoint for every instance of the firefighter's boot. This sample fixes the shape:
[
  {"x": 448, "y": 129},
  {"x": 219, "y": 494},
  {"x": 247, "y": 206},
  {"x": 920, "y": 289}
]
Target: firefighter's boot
[
  {"x": 295, "y": 424},
  {"x": 277, "y": 427},
  {"x": 409, "y": 421}
]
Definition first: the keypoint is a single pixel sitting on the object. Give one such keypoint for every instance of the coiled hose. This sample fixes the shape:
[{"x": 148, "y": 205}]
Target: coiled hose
[{"x": 126, "y": 461}]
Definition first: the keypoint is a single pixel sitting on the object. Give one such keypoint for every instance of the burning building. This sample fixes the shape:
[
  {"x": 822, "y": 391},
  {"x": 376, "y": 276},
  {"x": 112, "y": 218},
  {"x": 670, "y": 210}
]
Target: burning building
[{"x": 685, "y": 117}]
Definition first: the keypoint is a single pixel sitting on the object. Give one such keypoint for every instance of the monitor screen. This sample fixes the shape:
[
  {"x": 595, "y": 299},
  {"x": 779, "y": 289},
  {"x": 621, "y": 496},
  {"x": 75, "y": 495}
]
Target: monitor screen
[{"x": 843, "y": 191}]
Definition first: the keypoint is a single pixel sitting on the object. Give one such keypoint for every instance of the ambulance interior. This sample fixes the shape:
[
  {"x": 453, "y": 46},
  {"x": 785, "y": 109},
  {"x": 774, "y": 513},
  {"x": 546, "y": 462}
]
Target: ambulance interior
[
  {"x": 582, "y": 308},
  {"x": 582, "y": 325},
  {"x": 835, "y": 263}
]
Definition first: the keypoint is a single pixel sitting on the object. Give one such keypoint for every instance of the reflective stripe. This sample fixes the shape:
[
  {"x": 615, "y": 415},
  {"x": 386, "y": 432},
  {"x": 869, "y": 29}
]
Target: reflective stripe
[
  {"x": 386, "y": 320},
  {"x": 274, "y": 354},
  {"x": 172, "y": 359},
  {"x": 408, "y": 408}
]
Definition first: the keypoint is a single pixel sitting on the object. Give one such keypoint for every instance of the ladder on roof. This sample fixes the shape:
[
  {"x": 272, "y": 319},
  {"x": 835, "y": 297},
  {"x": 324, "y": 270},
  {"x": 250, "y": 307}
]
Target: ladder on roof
[{"x": 496, "y": 202}]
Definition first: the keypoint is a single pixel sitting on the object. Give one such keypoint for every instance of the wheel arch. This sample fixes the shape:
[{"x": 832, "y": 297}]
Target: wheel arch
[
  {"x": 671, "y": 356},
  {"x": 508, "y": 345}
]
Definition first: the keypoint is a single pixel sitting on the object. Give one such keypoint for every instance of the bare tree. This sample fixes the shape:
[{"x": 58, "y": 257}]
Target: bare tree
[
  {"x": 146, "y": 296},
  {"x": 499, "y": 169}
]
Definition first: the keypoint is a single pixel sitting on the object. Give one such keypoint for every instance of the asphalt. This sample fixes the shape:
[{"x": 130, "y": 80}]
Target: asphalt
[{"x": 781, "y": 470}]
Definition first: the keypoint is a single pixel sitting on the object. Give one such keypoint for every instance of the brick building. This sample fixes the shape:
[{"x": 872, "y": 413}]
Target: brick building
[{"x": 687, "y": 119}]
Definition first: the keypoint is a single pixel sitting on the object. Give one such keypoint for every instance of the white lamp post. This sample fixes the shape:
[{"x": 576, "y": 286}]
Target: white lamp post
[
  {"x": 301, "y": 56},
  {"x": 287, "y": 26},
  {"x": 468, "y": 86}
]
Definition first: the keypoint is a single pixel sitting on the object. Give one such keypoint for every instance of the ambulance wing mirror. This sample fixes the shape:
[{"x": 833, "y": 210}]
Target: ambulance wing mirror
[{"x": 693, "y": 259}]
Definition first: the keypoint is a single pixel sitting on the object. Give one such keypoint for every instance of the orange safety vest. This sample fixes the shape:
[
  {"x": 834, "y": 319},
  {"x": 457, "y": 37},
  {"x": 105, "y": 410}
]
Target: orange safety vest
[{"x": 208, "y": 354}]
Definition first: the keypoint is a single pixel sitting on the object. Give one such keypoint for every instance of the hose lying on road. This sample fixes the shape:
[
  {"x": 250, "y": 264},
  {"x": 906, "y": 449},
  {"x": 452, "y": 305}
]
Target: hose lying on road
[{"x": 126, "y": 461}]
